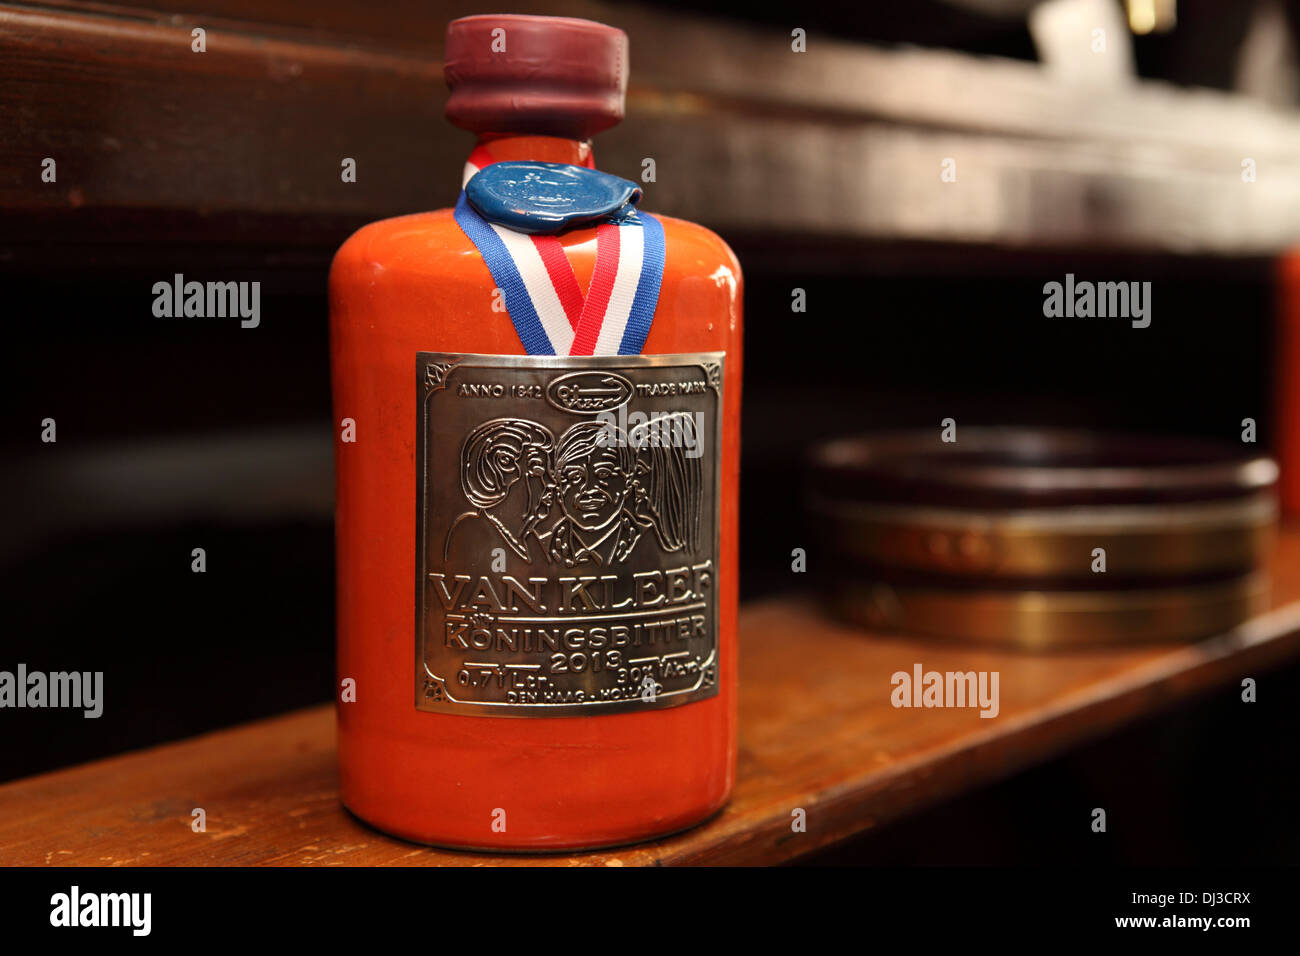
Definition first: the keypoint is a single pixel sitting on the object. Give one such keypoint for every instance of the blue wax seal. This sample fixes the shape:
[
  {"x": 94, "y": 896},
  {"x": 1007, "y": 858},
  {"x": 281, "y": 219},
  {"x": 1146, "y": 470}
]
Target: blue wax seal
[{"x": 541, "y": 198}]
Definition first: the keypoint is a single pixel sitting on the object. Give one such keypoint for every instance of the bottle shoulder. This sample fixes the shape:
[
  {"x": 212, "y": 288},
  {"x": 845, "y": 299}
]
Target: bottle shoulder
[
  {"x": 388, "y": 243},
  {"x": 431, "y": 243},
  {"x": 693, "y": 246}
]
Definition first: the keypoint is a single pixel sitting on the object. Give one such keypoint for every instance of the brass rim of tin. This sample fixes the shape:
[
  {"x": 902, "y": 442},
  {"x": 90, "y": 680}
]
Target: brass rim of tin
[
  {"x": 1165, "y": 540},
  {"x": 1049, "y": 620},
  {"x": 1015, "y": 468}
]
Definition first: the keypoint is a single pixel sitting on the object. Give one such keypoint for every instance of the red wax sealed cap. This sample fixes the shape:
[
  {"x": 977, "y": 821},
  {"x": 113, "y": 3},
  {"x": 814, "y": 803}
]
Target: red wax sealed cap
[{"x": 551, "y": 76}]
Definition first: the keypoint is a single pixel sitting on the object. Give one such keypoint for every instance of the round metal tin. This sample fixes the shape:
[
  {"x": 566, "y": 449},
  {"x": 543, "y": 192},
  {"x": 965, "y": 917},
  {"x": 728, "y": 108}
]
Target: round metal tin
[
  {"x": 1043, "y": 538},
  {"x": 1140, "y": 541}
]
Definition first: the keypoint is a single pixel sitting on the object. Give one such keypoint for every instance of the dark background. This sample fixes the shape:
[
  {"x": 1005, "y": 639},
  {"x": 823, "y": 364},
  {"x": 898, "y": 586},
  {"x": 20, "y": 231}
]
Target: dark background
[{"x": 96, "y": 575}]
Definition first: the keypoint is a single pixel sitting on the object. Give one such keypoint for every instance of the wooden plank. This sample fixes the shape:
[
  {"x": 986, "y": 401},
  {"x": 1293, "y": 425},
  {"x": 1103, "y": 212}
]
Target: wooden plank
[
  {"x": 150, "y": 135},
  {"x": 817, "y": 733},
  {"x": 243, "y": 144}
]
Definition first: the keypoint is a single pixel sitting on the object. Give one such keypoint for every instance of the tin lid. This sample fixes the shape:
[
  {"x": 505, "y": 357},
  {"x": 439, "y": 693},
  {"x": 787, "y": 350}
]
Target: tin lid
[
  {"x": 1008, "y": 468},
  {"x": 550, "y": 76}
]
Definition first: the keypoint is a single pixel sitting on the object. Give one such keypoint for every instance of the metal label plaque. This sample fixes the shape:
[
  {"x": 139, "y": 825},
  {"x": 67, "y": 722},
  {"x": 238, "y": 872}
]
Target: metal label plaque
[{"x": 566, "y": 532}]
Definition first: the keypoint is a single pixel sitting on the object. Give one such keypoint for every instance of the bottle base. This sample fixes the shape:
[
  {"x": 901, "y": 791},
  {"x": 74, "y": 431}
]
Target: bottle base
[{"x": 543, "y": 847}]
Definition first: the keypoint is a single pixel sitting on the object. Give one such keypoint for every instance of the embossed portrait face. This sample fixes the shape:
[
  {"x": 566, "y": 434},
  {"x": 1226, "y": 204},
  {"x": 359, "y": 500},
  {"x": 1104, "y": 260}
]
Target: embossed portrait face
[
  {"x": 504, "y": 453},
  {"x": 592, "y": 476}
]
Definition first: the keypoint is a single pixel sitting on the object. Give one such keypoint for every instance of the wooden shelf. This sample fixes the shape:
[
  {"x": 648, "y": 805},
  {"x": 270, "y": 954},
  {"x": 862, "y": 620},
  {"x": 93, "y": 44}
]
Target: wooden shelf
[
  {"x": 842, "y": 143},
  {"x": 817, "y": 732}
]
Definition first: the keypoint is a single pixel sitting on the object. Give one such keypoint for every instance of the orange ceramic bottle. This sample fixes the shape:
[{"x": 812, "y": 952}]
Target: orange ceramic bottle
[{"x": 537, "y": 554}]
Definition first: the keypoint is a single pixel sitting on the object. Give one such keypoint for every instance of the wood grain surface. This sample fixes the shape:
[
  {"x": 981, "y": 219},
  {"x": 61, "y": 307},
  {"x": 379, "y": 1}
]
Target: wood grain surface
[
  {"x": 817, "y": 732},
  {"x": 242, "y": 144}
]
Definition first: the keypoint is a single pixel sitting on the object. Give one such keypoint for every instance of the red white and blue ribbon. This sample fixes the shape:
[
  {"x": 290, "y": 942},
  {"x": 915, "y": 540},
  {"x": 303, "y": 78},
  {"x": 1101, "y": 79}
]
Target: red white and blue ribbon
[{"x": 542, "y": 295}]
